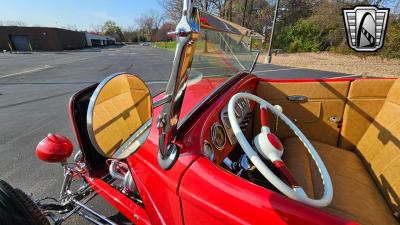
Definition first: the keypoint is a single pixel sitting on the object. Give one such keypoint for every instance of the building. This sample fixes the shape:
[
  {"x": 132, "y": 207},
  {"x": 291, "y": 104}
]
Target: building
[
  {"x": 17, "y": 38},
  {"x": 95, "y": 40}
]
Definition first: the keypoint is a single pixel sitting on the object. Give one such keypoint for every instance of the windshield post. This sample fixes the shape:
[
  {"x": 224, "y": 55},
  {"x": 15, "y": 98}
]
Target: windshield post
[{"x": 186, "y": 33}]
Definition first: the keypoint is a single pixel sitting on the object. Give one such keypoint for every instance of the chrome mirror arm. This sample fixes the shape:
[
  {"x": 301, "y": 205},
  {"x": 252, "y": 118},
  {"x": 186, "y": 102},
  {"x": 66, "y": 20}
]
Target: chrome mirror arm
[{"x": 186, "y": 33}]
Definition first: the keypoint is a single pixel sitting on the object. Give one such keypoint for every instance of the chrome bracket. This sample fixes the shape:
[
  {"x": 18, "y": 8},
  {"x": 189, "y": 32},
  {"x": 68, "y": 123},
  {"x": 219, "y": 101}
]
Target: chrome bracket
[
  {"x": 162, "y": 101},
  {"x": 297, "y": 98},
  {"x": 167, "y": 161}
]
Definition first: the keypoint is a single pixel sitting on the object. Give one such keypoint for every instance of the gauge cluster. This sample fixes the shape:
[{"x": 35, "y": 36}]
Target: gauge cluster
[
  {"x": 218, "y": 139},
  {"x": 243, "y": 114}
]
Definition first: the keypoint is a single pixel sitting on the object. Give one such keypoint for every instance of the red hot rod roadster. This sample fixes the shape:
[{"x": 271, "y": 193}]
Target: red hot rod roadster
[{"x": 223, "y": 146}]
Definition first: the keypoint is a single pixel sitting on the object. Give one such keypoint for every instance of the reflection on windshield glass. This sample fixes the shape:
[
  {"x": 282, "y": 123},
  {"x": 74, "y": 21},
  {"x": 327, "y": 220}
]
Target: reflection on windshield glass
[{"x": 222, "y": 54}]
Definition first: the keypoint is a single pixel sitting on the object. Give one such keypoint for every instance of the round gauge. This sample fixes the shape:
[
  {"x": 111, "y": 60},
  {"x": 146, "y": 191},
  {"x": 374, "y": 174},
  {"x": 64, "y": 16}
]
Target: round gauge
[
  {"x": 218, "y": 136},
  {"x": 207, "y": 151}
]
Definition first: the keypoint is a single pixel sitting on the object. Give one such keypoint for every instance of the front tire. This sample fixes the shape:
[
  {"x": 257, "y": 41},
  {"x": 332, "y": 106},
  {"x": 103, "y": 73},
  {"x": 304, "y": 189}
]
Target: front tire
[{"x": 17, "y": 208}]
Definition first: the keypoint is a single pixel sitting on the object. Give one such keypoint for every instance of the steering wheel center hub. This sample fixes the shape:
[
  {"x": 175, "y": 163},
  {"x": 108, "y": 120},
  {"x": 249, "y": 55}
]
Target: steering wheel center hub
[{"x": 269, "y": 146}]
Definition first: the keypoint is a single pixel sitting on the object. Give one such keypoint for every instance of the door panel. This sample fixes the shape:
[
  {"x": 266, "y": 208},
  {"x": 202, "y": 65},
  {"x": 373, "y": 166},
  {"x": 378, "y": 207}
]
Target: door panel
[
  {"x": 211, "y": 195},
  {"x": 317, "y": 117}
]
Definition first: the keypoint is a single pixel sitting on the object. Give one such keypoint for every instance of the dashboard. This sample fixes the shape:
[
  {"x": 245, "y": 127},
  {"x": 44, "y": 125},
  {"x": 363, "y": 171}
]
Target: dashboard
[{"x": 218, "y": 136}]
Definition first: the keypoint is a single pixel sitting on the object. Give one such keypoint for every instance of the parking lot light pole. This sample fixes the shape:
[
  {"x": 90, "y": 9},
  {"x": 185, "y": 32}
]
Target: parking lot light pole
[{"x": 268, "y": 57}]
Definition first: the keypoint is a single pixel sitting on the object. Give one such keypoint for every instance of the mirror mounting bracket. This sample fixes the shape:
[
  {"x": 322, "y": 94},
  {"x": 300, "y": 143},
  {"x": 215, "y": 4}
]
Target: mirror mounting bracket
[{"x": 166, "y": 162}]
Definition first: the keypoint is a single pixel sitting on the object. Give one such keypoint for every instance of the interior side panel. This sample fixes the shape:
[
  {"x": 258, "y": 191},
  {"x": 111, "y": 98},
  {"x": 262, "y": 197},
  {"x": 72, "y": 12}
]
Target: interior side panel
[
  {"x": 325, "y": 101},
  {"x": 365, "y": 100}
]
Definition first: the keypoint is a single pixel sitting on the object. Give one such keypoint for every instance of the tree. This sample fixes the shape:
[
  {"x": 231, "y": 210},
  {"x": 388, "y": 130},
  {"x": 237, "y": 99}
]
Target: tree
[
  {"x": 95, "y": 29},
  {"x": 244, "y": 10},
  {"x": 172, "y": 9},
  {"x": 302, "y": 25},
  {"x": 130, "y": 34},
  {"x": 149, "y": 24},
  {"x": 164, "y": 29},
  {"x": 13, "y": 23},
  {"x": 110, "y": 28}
]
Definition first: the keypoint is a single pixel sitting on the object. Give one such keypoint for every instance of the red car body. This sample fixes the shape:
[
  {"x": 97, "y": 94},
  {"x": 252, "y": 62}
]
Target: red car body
[
  {"x": 195, "y": 190},
  {"x": 181, "y": 184}
]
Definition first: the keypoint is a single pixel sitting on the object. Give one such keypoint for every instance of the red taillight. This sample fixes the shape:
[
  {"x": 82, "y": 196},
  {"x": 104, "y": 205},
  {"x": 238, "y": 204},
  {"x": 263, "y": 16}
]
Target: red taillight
[{"x": 54, "y": 148}]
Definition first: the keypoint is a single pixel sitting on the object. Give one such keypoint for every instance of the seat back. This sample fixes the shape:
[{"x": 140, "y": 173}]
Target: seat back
[
  {"x": 379, "y": 147},
  {"x": 364, "y": 101}
]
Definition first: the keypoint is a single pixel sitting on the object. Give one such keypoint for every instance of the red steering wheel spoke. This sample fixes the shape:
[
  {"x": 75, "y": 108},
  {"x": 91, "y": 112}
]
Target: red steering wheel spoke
[
  {"x": 286, "y": 173},
  {"x": 264, "y": 119},
  {"x": 274, "y": 140}
]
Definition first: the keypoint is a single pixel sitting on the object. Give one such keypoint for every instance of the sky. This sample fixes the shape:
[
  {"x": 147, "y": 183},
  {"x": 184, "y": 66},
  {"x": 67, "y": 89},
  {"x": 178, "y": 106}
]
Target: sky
[{"x": 81, "y": 14}]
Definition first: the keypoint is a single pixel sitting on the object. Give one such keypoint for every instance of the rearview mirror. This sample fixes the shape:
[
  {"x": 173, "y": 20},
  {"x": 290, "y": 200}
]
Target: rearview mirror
[{"x": 119, "y": 116}]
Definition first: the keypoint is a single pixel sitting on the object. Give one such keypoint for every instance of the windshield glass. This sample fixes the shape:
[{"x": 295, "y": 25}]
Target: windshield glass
[
  {"x": 218, "y": 56},
  {"x": 223, "y": 50},
  {"x": 223, "y": 54}
]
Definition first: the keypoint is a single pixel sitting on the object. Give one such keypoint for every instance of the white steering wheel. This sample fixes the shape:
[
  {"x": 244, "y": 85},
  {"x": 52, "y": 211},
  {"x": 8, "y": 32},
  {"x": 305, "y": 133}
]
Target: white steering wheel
[{"x": 270, "y": 147}]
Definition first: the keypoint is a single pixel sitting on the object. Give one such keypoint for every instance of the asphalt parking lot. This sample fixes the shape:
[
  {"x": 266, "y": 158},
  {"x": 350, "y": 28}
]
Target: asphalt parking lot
[{"x": 34, "y": 93}]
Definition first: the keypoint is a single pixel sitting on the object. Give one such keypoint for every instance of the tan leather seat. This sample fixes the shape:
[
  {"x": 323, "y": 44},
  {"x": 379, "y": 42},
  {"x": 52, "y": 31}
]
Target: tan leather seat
[
  {"x": 355, "y": 197},
  {"x": 366, "y": 182}
]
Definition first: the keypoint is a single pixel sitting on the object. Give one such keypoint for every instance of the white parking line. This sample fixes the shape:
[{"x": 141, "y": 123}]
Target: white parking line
[
  {"x": 26, "y": 71},
  {"x": 266, "y": 71},
  {"x": 351, "y": 75}
]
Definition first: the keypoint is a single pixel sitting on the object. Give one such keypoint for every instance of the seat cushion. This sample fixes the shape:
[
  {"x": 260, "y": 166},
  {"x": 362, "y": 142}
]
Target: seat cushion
[{"x": 355, "y": 196}]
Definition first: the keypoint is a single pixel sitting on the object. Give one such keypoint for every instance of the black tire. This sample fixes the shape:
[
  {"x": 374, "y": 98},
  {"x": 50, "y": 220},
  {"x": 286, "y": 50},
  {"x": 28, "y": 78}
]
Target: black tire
[{"x": 17, "y": 208}]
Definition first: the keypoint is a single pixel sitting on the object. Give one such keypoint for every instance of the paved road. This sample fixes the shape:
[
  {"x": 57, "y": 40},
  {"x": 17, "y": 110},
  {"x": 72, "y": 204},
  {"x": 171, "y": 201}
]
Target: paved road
[{"x": 34, "y": 92}]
